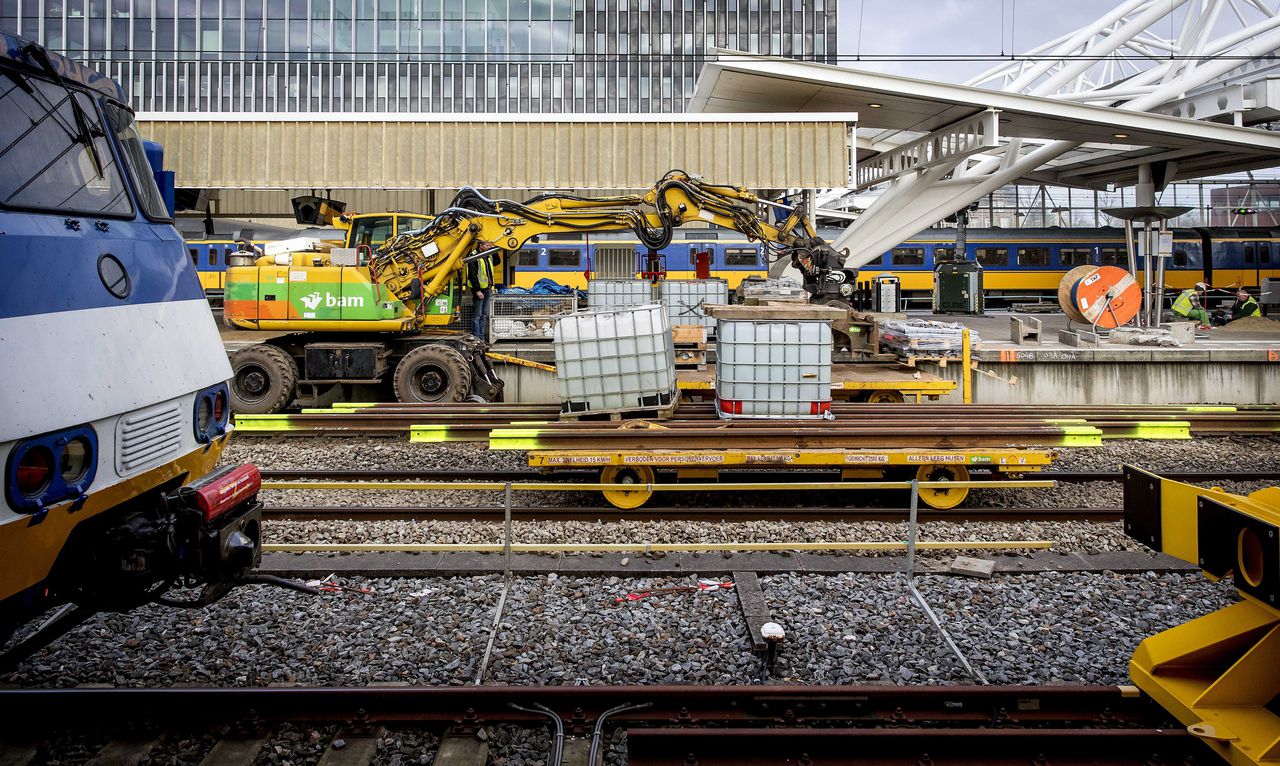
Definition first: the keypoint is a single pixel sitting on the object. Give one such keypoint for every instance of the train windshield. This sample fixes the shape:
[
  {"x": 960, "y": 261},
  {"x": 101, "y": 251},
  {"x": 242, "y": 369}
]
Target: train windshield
[
  {"x": 54, "y": 153},
  {"x": 135, "y": 157}
]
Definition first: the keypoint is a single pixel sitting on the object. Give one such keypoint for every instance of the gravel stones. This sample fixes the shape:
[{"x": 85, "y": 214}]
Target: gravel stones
[
  {"x": 565, "y": 630},
  {"x": 845, "y": 629},
  {"x": 1054, "y": 628},
  {"x": 416, "y": 631}
]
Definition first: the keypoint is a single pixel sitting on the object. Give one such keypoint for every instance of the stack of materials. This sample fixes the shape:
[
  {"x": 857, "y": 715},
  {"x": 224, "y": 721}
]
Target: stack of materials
[
  {"x": 687, "y": 299},
  {"x": 618, "y": 293},
  {"x": 923, "y": 337},
  {"x": 616, "y": 361},
  {"x": 755, "y": 291},
  {"x": 774, "y": 361}
]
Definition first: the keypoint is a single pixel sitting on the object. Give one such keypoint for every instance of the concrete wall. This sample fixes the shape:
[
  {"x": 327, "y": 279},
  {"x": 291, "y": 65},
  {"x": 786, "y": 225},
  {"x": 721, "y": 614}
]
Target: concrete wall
[
  {"x": 1120, "y": 382},
  {"x": 527, "y": 384}
]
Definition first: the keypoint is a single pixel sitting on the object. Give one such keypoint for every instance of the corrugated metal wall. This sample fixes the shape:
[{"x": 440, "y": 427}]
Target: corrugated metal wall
[
  {"x": 274, "y": 203},
  {"x": 564, "y": 154}
]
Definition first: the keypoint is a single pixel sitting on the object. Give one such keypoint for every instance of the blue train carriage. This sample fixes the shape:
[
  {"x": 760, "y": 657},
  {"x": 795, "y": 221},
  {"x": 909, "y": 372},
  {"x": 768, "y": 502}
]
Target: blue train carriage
[
  {"x": 114, "y": 378},
  {"x": 567, "y": 258},
  {"x": 1030, "y": 262}
]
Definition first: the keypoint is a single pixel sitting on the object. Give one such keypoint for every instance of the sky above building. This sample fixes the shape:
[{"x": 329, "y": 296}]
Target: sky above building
[{"x": 919, "y": 29}]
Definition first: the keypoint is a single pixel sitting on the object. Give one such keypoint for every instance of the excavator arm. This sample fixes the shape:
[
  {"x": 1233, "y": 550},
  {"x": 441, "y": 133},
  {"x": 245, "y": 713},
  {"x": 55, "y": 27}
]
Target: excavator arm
[{"x": 417, "y": 266}]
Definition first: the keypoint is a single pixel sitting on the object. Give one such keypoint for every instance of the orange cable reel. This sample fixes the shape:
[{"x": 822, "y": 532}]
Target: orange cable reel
[{"x": 1105, "y": 296}]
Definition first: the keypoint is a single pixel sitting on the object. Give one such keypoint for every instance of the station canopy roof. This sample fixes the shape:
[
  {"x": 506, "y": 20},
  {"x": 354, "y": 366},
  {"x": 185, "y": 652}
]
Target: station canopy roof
[{"x": 908, "y": 108}]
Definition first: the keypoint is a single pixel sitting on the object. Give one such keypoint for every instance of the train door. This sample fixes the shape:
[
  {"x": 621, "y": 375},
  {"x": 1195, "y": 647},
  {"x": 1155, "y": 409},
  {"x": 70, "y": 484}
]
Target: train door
[
  {"x": 1209, "y": 254},
  {"x": 1263, "y": 261}
]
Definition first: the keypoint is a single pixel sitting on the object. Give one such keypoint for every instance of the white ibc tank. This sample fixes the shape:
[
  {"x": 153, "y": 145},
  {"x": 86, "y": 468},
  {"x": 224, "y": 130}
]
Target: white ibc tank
[
  {"x": 615, "y": 360},
  {"x": 773, "y": 364},
  {"x": 618, "y": 293},
  {"x": 685, "y": 299}
]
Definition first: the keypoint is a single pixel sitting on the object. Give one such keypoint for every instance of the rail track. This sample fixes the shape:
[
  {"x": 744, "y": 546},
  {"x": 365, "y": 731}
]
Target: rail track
[
  {"x": 817, "y": 507},
  {"x": 677, "y": 513},
  {"x": 855, "y": 424},
  {"x": 664, "y": 725},
  {"x": 571, "y": 476}
]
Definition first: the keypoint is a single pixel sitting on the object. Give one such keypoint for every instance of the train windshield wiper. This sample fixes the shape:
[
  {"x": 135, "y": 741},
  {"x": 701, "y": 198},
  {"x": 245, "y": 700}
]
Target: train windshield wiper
[{"x": 83, "y": 134}]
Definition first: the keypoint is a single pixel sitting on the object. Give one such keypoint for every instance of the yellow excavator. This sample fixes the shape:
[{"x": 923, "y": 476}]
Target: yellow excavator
[{"x": 388, "y": 316}]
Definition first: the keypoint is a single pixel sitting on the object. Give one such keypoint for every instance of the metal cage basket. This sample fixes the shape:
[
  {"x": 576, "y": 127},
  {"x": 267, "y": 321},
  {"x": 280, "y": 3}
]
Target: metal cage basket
[{"x": 528, "y": 317}]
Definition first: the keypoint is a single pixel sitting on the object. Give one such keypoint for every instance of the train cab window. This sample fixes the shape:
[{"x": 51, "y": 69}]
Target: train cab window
[
  {"x": 1033, "y": 256},
  {"x": 195, "y": 256},
  {"x": 563, "y": 257},
  {"x": 993, "y": 256},
  {"x": 908, "y": 256},
  {"x": 1179, "y": 259},
  {"x": 1248, "y": 254},
  {"x": 1074, "y": 256},
  {"x": 1112, "y": 256},
  {"x": 944, "y": 254},
  {"x": 741, "y": 256}
]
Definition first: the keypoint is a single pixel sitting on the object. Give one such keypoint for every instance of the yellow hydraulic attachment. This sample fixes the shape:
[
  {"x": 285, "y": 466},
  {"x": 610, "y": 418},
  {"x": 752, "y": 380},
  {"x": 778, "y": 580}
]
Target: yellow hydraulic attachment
[
  {"x": 417, "y": 266},
  {"x": 1218, "y": 674}
]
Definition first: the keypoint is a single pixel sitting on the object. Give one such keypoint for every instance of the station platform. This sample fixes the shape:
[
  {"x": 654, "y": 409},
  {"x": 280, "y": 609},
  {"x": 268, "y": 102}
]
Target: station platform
[{"x": 1221, "y": 366}]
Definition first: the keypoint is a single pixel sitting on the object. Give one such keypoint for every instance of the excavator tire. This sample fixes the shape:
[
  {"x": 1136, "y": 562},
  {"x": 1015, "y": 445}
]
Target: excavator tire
[
  {"x": 263, "y": 380},
  {"x": 432, "y": 374}
]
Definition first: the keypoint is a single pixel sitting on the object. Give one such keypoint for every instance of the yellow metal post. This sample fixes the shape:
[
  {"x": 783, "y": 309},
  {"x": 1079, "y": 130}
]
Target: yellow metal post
[{"x": 967, "y": 360}]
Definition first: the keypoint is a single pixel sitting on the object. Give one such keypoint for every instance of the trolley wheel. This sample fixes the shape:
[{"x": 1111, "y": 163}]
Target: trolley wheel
[
  {"x": 627, "y": 499},
  {"x": 263, "y": 379},
  {"x": 432, "y": 374},
  {"x": 943, "y": 498},
  {"x": 886, "y": 397}
]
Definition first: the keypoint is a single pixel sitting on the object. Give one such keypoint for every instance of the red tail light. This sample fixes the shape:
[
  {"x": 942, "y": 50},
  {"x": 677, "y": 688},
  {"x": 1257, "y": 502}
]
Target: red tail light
[
  {"x": 819, "y": 408},
  {"x": 34, "y": 471},
  {"x": 221, "y": 491},
  {"x": 731, "y": 406}
]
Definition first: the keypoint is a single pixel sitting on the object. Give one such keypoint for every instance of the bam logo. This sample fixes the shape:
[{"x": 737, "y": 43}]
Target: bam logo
[{"x": 330, "y": 301}]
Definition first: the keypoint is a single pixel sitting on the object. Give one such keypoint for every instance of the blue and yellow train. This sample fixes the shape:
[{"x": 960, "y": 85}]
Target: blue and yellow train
[
  {"x": 1017, "y": 263},
  {"x": 116, "y": 405}
]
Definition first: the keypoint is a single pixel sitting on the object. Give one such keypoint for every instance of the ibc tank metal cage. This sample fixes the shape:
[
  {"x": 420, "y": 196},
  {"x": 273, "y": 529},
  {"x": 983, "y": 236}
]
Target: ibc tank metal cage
[{"x": 528, "y": 317}]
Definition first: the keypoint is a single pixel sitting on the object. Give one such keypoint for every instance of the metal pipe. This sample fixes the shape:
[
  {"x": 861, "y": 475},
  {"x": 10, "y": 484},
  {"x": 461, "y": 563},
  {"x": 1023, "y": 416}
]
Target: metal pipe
[
  {"x": 557, "y": 742},
  {"x": 593, "y": 753}
]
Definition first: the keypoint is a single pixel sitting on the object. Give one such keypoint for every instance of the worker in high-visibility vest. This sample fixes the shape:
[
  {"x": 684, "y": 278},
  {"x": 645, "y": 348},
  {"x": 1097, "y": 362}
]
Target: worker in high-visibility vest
[
  {"x": 480, "y": 280},
  {"x": 1189, "y": 305},
  {"x": 1245, "y": 306}
]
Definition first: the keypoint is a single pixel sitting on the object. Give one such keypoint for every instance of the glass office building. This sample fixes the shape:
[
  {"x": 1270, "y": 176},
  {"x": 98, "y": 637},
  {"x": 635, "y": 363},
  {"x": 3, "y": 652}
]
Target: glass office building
[{"x": 452, "y": 56}]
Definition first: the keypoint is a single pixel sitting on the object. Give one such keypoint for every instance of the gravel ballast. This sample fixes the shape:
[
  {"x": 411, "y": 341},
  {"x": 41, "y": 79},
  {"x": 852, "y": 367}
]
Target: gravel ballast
[{"x": 1040, "y": 629}]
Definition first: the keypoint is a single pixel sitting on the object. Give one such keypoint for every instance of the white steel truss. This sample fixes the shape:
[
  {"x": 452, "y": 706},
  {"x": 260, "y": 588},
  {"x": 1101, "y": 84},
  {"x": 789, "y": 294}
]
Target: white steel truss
[{"x": 1122, "y": 61}]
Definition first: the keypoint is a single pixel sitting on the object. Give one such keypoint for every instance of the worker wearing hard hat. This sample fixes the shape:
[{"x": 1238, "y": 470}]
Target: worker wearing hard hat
[
  {"x": 1189, "y": 304},
  {"x": 1245, "y": 306}
]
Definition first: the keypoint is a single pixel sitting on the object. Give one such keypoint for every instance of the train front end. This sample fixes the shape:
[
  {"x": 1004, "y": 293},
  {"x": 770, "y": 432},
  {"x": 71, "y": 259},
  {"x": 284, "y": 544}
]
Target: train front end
[{"x": 115, "y": 402}]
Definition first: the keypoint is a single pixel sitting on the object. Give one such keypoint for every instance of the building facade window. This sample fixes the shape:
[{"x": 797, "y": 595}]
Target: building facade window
[{"x": 321, "y": 55}]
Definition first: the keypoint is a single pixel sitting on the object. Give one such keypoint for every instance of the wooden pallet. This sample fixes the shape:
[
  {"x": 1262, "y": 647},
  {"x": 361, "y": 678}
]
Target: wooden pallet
[{"x": 690, "y": 346}]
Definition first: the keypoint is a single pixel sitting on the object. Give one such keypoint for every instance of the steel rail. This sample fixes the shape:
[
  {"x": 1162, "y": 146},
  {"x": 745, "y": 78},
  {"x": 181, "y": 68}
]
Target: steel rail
[
  {"x": 578, "y": 475},
  {"x": 672, "y": 513},
  {"x": 974, "y": 707}
]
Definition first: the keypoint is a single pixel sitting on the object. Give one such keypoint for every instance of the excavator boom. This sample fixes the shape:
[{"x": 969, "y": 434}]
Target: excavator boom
[{"x": 418, "y": 265}]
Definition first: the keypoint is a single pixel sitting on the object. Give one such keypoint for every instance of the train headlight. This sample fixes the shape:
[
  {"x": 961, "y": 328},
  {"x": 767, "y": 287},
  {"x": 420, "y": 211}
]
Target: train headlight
[
  {"x": 211, "y": 413},
  {"x": 49, "y": 469},
  {"x": 73, "y": 463}
]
